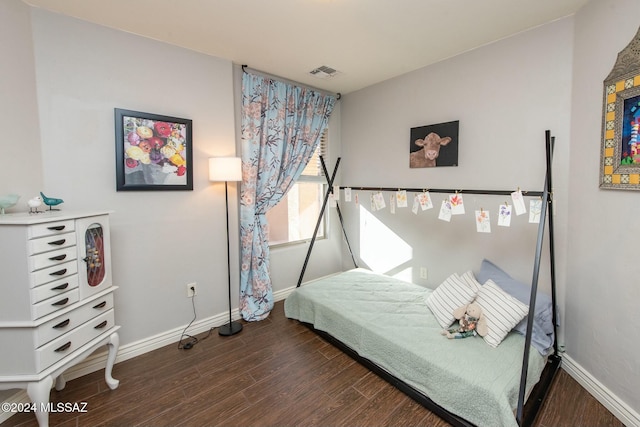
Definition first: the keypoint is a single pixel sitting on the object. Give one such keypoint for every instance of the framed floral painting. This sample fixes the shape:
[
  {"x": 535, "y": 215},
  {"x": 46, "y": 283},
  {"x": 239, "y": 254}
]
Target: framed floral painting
[{"x": 153, "y": 152}]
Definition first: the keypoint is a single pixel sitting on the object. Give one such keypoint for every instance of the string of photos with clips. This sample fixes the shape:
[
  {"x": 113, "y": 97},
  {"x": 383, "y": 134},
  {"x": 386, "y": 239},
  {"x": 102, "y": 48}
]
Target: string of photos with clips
[
  {"x": 540, "y": 203},
  {"x": 450, "y": 206}
]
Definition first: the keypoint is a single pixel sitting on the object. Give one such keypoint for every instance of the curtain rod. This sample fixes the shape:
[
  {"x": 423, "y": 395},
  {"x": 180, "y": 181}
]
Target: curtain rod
[
  {"x": 441, "y": 190},
  {"x": 282, "y": 79}
]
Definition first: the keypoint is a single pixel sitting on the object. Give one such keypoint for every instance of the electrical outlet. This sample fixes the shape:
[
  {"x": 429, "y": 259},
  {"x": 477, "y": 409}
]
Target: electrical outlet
[
  {"x": 423, "y": 273},
  {"x": 192, "y": 290}
]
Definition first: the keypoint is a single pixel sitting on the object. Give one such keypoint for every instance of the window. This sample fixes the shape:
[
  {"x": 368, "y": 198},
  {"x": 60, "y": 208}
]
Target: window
[{"x": 294, "y": 218}]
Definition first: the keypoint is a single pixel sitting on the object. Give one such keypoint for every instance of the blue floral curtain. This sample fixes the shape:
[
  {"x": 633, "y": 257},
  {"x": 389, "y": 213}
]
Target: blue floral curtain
[{"x": 281, "y": 128}]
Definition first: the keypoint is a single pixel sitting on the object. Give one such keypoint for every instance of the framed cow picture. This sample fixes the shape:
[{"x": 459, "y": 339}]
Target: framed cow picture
[{"x": 434, "y": 145}]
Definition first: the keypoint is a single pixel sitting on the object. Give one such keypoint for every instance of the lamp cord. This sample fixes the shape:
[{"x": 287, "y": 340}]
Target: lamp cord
[{"x": 193, "y": 340}]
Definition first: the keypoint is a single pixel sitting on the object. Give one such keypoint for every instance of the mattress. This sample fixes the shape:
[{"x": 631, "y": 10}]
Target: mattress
[{"x": 387, "y": 321}]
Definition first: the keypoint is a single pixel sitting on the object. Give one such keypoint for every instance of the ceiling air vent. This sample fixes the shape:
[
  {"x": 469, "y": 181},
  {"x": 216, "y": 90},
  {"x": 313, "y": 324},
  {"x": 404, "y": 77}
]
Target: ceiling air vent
[{"x": 323, "y": 72}]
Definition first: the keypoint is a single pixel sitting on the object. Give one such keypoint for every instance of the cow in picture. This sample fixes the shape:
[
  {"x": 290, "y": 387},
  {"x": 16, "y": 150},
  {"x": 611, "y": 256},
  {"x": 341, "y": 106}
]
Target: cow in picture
[{"x": 427, "y": 155}]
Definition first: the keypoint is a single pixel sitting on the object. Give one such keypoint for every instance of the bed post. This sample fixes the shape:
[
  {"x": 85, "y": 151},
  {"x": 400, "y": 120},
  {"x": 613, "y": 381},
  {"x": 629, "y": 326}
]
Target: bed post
[
  {"x": 339, "y": 212},
  {"x": 324, "y": 205},
  {"x": 552, "y": 250},
  {"x": 545, "y": 215}
]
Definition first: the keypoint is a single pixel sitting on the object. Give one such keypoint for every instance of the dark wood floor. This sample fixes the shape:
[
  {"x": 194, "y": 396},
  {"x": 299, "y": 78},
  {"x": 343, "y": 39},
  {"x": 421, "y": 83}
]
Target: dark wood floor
[{"x": 274, "y": 373}]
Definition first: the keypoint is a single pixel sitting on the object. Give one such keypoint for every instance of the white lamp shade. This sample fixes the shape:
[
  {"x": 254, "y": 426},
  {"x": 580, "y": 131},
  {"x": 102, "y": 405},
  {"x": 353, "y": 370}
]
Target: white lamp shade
[{"x": 225, "y": 169}]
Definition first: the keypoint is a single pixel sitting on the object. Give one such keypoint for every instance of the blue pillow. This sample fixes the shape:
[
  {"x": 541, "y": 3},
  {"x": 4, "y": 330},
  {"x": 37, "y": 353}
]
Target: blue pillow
[{"x": 542, "y": 336}]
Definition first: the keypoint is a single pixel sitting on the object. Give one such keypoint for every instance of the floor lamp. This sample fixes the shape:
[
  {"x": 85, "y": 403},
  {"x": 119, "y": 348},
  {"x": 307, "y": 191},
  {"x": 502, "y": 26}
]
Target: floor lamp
[{"x": 227, "y": 169}]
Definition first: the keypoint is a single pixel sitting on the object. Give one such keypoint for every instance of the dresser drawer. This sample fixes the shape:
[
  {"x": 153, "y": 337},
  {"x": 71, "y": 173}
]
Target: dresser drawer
[
  {"x": 52, "y": 273},
  {"x": 53, "y": 304},
  {"x": 50, "y": 228},
  {"x": 54, "y": 288},
  {"x": 44, "y": 244},
  {"x": 66, "y": 344},
  {"x": 69, "y": 321},
  {"x": 48, "y": 259}
]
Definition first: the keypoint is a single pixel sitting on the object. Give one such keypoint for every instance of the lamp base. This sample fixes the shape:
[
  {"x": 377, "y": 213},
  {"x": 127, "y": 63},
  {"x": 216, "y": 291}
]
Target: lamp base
[{"x": 230, "y": 329}]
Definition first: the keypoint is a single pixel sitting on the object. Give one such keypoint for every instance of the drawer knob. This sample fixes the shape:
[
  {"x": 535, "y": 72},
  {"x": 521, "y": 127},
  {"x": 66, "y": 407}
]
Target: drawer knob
[
  {"x": 58, "y": 258},
  {"x": 101, "y": 305},
  {"x": 58, "y": 242},
  {"x": 56, "y": 228},
  {"x": 61, "y": 287},
  {"x": 62, "y": 324},
  {"x": 63, "y": 348},
  {"x": 61, "y": 302},
  {"x": 59, "y": 272},
  {"x": 101, "y": 325}
]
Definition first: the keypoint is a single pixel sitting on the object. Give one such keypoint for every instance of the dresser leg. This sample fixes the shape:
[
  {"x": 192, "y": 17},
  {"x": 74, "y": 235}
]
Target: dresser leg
[
  {"x": 113, "y": 344},
  {"x": 39, "y": 394},
  {"x": 60, "y": 382}
]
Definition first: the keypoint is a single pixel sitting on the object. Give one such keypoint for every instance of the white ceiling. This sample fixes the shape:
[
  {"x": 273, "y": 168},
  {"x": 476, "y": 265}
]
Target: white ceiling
[{"x": 367, "y": 41}]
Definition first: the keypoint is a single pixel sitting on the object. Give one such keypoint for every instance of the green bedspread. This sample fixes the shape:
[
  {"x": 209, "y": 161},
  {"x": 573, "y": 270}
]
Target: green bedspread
[{"x": 387, "y": 321}]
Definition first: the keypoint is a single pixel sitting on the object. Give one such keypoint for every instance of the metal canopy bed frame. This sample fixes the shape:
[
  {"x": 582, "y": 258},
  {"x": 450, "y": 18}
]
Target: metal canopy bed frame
[{"x": 524, "y": 416}]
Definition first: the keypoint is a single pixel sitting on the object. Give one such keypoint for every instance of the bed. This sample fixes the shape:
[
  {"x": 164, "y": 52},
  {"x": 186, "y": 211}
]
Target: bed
[
  {"x": 393, "y": 328},
  {"x": 388, "y": 322}
]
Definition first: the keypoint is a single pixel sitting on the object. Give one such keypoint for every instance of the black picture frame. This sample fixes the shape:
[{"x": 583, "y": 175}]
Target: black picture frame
[
  {"x": 153, "y": 152},
  {"x": 447, "y": 151}
]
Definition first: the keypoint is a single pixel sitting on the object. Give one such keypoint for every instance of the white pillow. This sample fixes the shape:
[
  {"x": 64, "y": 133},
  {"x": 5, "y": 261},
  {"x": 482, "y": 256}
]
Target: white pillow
[
  {"x": 453, "y": 293},
  {"x": 502, "y": 311},
  {"x": 471, "y": 281}
]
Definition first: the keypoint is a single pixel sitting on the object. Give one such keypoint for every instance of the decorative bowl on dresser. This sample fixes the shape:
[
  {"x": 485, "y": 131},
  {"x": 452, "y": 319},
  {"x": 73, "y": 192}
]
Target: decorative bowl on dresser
[{"x": 57, "y": 300}]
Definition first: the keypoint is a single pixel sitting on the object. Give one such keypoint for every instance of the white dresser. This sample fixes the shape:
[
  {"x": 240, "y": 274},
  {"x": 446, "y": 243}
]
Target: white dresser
[{"x": 56, "y": 303}]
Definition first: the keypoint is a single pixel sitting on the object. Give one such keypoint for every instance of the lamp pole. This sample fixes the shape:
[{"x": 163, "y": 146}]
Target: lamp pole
[{"x": 232, "y": 327}]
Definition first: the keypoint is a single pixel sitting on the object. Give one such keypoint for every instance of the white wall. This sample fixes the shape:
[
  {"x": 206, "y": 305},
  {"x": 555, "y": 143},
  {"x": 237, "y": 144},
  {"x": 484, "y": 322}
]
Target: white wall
[
  {"x": 505, "y": 96},
  {"x": 21, "y": 170},
  {"x": 602, "y": 269},
  {"x": 160, "y": 240}
]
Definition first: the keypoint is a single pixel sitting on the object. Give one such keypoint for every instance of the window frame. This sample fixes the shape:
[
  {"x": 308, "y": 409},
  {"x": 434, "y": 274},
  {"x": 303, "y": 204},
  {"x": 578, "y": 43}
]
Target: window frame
[{"x": 319, "y": 178}]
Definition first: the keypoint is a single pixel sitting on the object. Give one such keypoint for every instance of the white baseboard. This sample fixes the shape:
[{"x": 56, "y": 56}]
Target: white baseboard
[
  {"x": 97, "y": 361},
  {"x": 602, "y": 394},
  {"x": 282, "y": 294}
]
